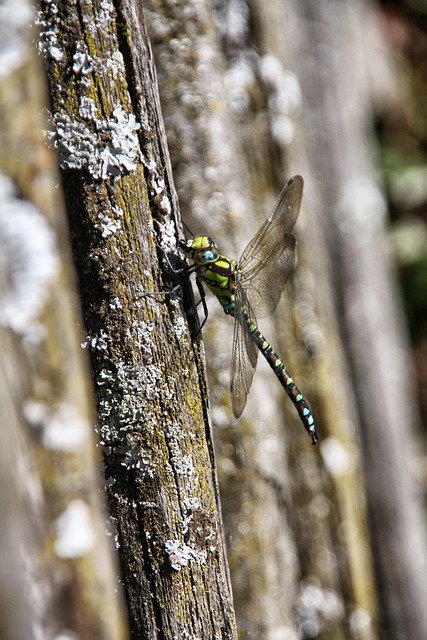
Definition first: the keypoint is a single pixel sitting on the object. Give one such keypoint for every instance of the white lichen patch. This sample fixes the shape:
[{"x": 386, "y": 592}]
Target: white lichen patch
[
  {"x": 28, "y": 262},
  {"x": 191, "y": 504},
  {"x": 87, "y": 108},
  {"x": 143, "y": 333},
  {"x": 167, "y": 235},
  {"x": 82, "y": 61},
  {"x": 157, "y": 183},
  {"x": 183, "y": 465},
  {"x": 74, "y": 531},
  {"x": 179, "y": 327},
  {"x": 105, "y": 17},
  {"x": 180, "y": 554},
  {"x": 56, "y": 54},
  {"x": 152, "y": 377},
  {"x": 115, "y": 64},
  {"x": 115, "y": 304},
  {"x": 185, "y": 523},
  {"x": 108, "y": 226},
  {"x": 96, "y": 343},
  {"x": 105, "y": 148},
  {"x": 165, "y": 205},
  {"x": 122, "y": 153},
  {"x": 140, "y": 460},
  {"x": 157, "y": 186},
  {"x": 61, "y": 428},
  {"x": 183, "y": 468},
  {"x": 47, "y": 43},
  {"x": 125, "y": 402}
]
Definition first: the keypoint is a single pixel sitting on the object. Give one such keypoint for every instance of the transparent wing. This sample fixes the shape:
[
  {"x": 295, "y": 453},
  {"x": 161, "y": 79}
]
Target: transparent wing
[
  {"x": 244, "y": 354},
  {"x": 269, "y": 258}
]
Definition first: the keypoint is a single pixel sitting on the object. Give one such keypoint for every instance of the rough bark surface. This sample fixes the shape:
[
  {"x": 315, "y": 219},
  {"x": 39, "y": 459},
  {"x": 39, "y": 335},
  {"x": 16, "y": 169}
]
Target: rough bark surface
[{"x": 148, "y": 371}]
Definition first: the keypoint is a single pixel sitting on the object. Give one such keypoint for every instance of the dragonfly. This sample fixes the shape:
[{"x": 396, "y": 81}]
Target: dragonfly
[{"x": 250, "y": 289}]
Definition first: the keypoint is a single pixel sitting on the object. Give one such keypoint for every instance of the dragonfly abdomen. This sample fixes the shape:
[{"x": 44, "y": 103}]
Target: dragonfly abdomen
[{"x": 285, "y": 379}]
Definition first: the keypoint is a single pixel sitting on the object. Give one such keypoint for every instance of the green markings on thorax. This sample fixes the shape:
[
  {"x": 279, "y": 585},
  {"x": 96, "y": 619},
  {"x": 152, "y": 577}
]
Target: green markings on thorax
[{"x": 219, "y": 277}]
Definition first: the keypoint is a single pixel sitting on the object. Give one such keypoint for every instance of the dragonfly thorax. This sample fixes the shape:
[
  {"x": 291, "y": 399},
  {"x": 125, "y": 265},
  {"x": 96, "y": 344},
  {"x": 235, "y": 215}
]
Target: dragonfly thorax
[{"x": 202, "y": 250}]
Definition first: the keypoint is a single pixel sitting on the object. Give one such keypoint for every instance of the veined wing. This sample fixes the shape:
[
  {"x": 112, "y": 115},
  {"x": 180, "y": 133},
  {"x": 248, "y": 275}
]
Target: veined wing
[
  {"x": 244, "y": 354},
  {"x": 269, "y": 258}
]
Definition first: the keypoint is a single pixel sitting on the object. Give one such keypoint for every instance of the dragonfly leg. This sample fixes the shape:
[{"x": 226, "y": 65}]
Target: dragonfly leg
[
  {"x": 185, "y": 272},
  {"x": 202, "y": 300},
  {"x": 186, "y": 269},
  {"x": 154, "y": 294}
]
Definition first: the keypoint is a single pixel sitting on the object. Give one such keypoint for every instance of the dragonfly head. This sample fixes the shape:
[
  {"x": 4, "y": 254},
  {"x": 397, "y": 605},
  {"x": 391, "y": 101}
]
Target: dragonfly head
[{"x": 201, "y": 249}]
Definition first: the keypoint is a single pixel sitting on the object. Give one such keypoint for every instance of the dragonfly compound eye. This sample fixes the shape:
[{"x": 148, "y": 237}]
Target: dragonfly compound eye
[
  {"x": 208, "y": 255},
  {"x": 205, "y": 250}
]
